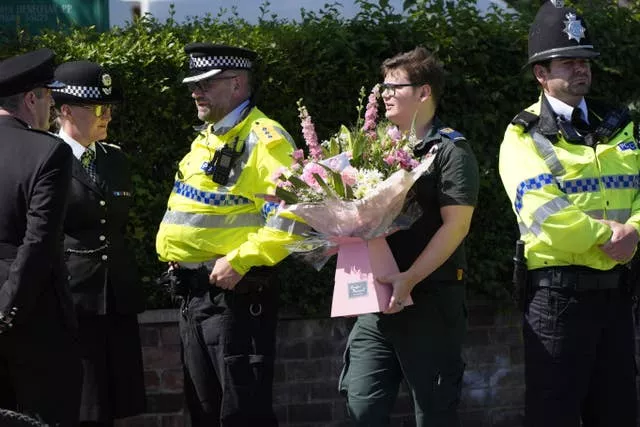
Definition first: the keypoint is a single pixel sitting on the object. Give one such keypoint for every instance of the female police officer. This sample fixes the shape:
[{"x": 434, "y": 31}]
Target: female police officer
[{"x": 103, "y": 279}]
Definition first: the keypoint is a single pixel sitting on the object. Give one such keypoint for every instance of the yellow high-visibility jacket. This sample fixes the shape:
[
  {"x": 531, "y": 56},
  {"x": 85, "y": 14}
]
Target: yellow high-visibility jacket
[
  {"x": 204, "y": 219},
  {"x": 559, "y": 189}
]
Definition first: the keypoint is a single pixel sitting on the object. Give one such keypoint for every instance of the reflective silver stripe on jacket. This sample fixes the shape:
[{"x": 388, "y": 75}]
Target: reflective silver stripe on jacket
[
  {"x": 619, "y": 215},
  {"x": 212, "y": 221},
  {"x": 541, "y": 214},
  {"x": 548, "y": 154},
  {"x": 595, "y": 213},
  {"x": 522, "y": 228},
  {"x": 290, "y": 226}
]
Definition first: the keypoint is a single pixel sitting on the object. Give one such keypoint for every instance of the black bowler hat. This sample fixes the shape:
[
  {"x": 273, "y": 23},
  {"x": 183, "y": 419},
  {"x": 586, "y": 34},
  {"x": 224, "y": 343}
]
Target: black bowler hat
[
  {"x": 86, "y": 83},
  {"x": 206, "y": 60},
  {"x": 558, "y": 32},
  {"x": 28, "y": 71}
]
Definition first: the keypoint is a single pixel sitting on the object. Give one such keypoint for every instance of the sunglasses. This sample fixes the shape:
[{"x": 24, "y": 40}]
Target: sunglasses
[
  {"x": 99, "y": 110},
  {"x": 205, "y": 85}
]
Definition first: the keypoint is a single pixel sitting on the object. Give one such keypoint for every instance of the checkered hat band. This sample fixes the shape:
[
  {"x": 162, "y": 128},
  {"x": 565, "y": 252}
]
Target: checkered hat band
[
  {"x": 199, "y": 62},
  {"x": 81, "y": 91}
]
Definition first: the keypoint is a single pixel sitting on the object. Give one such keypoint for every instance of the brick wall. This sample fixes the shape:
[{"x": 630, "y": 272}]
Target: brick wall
[{"x": 309, "y": 353}]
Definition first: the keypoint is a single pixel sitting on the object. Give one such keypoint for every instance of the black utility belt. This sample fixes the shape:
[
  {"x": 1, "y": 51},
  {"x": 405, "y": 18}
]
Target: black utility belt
[
  {"x": 255, "y": 281},
  {"x": 576, "y": 278}
]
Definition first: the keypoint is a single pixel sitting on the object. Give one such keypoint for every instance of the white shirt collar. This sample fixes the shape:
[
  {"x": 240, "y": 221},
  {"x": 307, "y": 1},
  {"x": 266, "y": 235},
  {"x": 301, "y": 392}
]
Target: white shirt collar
[
  {"x": 76, "y": 147},
  {"x": 231, "y": 119},
  {"x": 564, "y": 110}
]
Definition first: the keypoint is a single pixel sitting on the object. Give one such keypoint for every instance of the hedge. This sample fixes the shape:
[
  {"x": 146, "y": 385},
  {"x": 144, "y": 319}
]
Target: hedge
[{"x": 326, "y": 59}]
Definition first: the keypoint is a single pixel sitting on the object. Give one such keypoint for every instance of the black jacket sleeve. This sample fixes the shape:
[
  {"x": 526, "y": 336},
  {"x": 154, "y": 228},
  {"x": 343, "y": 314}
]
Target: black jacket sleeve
[{"x": 38, "y": 257}]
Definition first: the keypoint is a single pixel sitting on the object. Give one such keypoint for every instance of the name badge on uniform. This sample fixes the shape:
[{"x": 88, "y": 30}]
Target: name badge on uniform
[{"x": 630, "y": 145}]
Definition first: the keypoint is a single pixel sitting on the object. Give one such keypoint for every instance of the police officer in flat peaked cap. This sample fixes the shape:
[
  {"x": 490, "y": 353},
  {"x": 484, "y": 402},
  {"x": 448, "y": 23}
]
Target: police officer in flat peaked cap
[
  {"x": 221, "y": 239},
  {"x": 570, "y": 167},
  {"x": 103, "y": 276},
  {"x": 40, "y": 369}
]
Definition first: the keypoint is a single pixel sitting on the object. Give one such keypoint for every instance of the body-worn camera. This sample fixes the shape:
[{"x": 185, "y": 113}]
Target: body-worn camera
[{"x": 223, "y": 161}]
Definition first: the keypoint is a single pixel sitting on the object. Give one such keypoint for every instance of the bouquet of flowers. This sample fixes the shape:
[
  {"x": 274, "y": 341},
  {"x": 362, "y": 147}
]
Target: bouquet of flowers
[{"x": 351, "y": 190}]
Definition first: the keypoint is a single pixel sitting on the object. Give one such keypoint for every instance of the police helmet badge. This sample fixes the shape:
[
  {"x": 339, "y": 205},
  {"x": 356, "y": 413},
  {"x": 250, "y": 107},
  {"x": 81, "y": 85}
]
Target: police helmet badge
[
  {"x": 573, "y": 27},
  {"x": 106, "y": 81}
]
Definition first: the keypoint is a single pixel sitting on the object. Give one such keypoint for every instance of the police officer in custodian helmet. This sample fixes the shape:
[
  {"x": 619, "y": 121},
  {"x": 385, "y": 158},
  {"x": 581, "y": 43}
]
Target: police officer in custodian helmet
[{"x": 570, "y": 167}]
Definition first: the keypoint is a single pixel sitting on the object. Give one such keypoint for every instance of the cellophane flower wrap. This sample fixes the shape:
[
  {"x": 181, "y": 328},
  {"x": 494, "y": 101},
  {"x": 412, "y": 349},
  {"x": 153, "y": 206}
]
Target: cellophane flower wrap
[{"x": 353, "y": 185}]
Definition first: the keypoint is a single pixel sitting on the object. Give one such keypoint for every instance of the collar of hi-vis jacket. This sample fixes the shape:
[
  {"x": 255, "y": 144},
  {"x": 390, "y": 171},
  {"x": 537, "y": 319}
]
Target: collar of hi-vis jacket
[
  {"x": 231, "y": 136},
  {"x": 547, "y": 123}
]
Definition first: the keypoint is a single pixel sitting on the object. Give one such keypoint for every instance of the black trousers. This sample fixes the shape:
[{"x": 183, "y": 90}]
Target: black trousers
[
  {"x": 228, "y": 351},
  {"x": 579, "y": 359},
  {"x": 40, "y": 368}
]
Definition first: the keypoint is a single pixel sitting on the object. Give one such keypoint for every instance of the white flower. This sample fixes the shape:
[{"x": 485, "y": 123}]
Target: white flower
[{"x": 366, "y": 181}]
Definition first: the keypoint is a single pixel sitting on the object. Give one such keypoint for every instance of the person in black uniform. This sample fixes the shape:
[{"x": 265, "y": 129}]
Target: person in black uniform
[
  {"x": 40, "y": 369},
  {"x": 420, "y": 343},
  {"x": 102, "y": 272}
]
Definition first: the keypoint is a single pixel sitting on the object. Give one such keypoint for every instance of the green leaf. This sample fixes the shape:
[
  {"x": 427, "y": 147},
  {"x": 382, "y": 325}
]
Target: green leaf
[
  {"x": 349, "y": 193},
  {"x": 328, "y": 191},
  {"x": 288, "y": 197},
  {"x": 334, "y": 147},
  {"x": 336, "y": 181},
  {"x": 298, "y": 183}
]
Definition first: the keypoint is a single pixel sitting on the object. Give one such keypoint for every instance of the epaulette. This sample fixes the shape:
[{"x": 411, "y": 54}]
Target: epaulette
[
  {"x": 452, "y": 134},
  {"x": 267, "y": 133},
  {"x": 525, "y": 119}
]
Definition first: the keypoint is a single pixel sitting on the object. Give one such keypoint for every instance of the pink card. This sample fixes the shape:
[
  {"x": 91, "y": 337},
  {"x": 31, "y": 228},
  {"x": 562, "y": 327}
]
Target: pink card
[{"x": 355, "y": 290}]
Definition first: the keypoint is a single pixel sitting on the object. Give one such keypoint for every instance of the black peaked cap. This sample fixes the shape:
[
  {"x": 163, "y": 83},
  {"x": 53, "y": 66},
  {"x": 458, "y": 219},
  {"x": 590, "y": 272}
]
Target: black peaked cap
[
  {"x": 86, "y": 83},
  {"x": 28, "y": 71},
  {"x": 207, "y": 59}
]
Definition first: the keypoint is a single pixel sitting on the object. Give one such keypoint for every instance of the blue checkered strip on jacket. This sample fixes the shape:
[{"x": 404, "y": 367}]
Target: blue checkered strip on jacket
[
  {"x": 267, "y": 208},
  {"x": 534, "y": 183},
  {"x": 214, "y": 199},
  {"x": 580, "y": 185},
  {"x": 621, "y": 181}
]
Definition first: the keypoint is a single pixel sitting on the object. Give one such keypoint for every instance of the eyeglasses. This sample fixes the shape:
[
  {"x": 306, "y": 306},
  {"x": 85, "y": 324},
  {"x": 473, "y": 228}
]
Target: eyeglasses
[
  {"x": 205, "y": 85},
  {"x": 391, "y": 87},
  {"x": 99, "y": 109}
]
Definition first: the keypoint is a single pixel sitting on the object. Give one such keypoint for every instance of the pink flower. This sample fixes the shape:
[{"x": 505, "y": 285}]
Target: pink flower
[
  {"x": 394, "y": 133},
  {"x": 405, "y": 160},
  {"x": 285, "y": 185},
  {"x": 371, "y": 112},
  {"x": 390, "y": 159},
  {"x": 349, "y": 176},
  {"x": 307, "y": 175},
  {"x": 280, "y": 173},
  {"x": 309, "y": 133},
  {"x": 298, "y": 155}
]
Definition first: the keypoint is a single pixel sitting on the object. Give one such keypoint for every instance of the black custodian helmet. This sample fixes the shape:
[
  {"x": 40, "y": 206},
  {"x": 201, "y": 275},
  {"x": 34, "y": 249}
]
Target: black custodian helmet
[{"x": 558, "y": 32}]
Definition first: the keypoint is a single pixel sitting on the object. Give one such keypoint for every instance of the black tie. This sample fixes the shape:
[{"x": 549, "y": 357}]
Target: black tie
[{"x": 579, "y": 123}]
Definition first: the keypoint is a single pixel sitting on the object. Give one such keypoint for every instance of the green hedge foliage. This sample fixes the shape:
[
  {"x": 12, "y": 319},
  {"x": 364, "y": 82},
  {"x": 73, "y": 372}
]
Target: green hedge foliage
[{"x": 326, "y": 59}]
